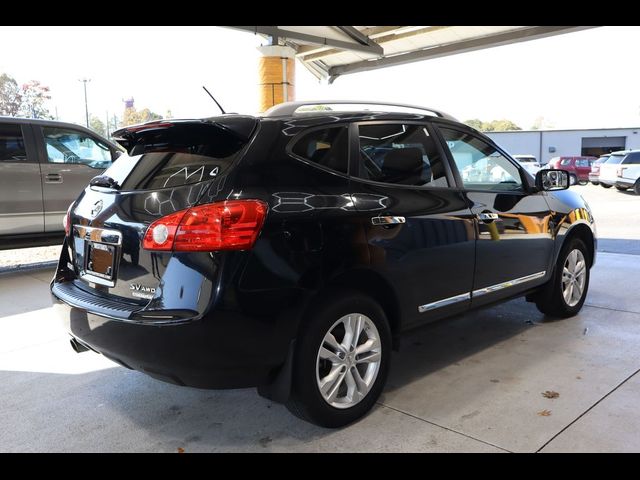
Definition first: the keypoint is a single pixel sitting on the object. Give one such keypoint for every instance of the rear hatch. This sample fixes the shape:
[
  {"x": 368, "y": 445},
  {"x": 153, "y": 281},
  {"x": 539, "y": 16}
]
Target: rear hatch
[
  {"x": 169, "y": 167},
  {"x": 609, "y": 169}
]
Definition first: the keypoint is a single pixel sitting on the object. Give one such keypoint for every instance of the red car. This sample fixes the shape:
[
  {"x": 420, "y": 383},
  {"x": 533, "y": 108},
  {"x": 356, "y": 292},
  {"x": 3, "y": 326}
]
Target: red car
[{"x": 578, "y": 167}]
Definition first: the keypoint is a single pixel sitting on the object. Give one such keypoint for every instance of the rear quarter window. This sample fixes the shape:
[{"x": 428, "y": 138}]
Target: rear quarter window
[{"x": 328, "y": 147}]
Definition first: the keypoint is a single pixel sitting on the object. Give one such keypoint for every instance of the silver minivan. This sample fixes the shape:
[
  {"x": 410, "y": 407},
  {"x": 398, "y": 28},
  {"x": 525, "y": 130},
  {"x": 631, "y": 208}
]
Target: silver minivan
[{"x": 44, "y": 165}]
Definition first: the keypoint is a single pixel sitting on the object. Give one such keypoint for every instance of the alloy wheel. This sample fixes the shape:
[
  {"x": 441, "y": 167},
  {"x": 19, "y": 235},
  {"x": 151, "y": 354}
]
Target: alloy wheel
[
  {"x": 348, "y": 360},
  {"x": 574, "y": 274}
]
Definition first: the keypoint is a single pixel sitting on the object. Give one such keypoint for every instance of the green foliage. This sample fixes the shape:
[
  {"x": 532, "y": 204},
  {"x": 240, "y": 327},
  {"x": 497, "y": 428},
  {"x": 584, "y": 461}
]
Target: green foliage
[
  {"x": 97, "y": 125},
  {"x": 493, "y": 125},
  {"x": 10, "y": 96}
]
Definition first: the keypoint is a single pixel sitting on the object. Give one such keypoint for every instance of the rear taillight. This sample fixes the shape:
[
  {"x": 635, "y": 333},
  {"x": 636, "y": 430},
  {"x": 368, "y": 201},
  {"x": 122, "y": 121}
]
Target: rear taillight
[
  {"x": 228, "y": 225},
  {"x": 66, "y": 221},
  {"x": 621, "y": 170},
  {"x": 595, "y": 169}
]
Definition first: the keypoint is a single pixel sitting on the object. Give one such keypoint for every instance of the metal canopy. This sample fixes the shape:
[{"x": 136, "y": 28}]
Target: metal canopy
[{"x": 328, "y": 51}]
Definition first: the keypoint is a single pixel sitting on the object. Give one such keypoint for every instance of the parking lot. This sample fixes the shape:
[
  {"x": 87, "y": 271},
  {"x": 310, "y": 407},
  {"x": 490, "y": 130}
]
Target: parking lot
[{"x": 473, "y": 383}]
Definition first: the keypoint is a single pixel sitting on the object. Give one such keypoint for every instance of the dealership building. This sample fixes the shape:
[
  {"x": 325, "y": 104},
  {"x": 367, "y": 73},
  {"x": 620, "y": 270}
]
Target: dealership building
[{"x": 546, "y": 144}]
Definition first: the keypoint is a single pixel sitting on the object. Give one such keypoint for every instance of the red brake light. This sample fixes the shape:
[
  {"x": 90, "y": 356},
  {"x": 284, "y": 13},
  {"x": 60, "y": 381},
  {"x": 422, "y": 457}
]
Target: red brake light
[
  {"x": 227, "y": 225},
  {"x": 66, "y": 221}
]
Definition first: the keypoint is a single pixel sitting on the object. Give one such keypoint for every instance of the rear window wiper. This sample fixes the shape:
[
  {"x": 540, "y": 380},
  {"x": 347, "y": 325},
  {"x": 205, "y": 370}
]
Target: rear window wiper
[{"x": 104, "y": 181}]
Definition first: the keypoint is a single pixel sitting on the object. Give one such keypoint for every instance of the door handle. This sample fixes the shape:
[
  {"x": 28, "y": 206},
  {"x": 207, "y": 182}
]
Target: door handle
[
  {"x": 487, "y": 217},
  {"x": 53, "y": 178},
  {"x": 387, "y": 220}
]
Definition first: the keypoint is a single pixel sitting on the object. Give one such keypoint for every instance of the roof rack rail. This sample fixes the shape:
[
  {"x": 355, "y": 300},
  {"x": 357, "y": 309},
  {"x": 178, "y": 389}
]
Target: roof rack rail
[{"x": 290, "y": 108}]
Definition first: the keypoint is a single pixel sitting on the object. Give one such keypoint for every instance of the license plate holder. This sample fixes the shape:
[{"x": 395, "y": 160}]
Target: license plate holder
[{"x": 100, "y": 260}]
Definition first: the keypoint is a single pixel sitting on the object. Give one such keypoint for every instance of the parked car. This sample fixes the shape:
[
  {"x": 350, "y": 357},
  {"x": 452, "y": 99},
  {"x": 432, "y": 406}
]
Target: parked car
[
  {"x": 578, "y": 167},
  {"x": 529, "y": 162},
  {"x": 594, "y": 174},
  {"x": 619, "y": 169},
  {"x": 44, "y": 165},
  {"x": 290, "y": 251}
]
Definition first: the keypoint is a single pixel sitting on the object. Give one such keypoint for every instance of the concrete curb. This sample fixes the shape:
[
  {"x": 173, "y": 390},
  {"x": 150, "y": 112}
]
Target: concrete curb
[{"x": 28, "y": 267}]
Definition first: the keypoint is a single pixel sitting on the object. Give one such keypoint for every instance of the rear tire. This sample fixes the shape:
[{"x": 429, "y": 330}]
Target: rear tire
[
  {"x": 559, "y": 297},
  {"x": 572, "y": 179},
  {"x": 325, "y": 388},
  {"x": 595, "y": 183},
  {"x": 604, "y": 185},
  {"x": 583, "y": 182},
  {"x": 636, "y": 187},
  {"x": 621, "y": 189}
]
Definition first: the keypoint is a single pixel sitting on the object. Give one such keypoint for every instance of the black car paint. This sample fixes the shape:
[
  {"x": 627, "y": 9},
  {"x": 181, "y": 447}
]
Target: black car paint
[{"x": 227, "y": 319}]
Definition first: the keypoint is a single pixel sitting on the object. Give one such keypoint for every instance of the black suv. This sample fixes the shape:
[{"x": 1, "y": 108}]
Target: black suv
[{"x": 290, "y": 251}]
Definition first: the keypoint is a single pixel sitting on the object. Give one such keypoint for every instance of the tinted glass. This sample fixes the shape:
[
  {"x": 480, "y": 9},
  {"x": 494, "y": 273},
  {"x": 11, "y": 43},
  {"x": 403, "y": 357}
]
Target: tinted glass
[
  {"x": 582, "y": 162},
  {"x": 327, "y": 147},
  {"x": 175, "y": 156},
  {"x": 632, "y": 159},
  {"x": 70, "y": 146},
  {"x": 11, "y": 144},
  {"x": 400, "y": 154},
  {"x": 481, "y": 165},
  {"x": 566, "y": 161}
]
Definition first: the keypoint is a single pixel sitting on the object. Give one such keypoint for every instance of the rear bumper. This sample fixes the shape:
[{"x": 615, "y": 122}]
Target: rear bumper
[
  {"x": 224, "y": 349},
  {"x": 624, "y": 183},
  {"x": 594, "y": 178},
  {"x": 607, "y": 181}
]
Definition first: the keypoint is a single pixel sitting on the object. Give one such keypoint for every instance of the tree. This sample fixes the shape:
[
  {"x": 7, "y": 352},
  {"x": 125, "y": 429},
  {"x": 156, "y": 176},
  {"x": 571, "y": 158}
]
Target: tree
[
  {"x": 474, "y": 123},
  {"x": 34, "y": 94},
  {"x": 493, "y": 125},
  {"x": 97, "y": 125},
  {"x": 132, "y": 116},
  {"x": 10, "y": 96}
]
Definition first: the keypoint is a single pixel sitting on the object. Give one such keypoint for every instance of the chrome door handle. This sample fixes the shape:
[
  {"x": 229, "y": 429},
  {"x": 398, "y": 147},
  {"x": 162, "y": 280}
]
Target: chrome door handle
[
  {"x": 487, "y": 217},
  {"x": 387, "y": 220},
  {"x": 53, "y": 178}
]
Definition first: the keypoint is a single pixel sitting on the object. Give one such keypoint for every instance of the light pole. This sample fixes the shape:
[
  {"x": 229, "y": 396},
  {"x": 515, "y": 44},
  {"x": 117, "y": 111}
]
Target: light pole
[{"x": 86, "y": 108}]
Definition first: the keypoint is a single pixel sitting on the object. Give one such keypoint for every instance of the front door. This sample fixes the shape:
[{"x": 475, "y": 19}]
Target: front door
[
  {"x": 515, "y": 244},
  {"x": 20, "y": 188},
  {"x": 420, "y": 233},
  {"x": 72, "y": 158}
]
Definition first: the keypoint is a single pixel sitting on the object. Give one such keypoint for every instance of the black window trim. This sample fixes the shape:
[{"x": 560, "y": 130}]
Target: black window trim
[
  {"x": 26, "y": 137},
  {"x": 528, "y": 188},
  {"x": 302, "y": 133},
  {"x": 355, "y": 150}
]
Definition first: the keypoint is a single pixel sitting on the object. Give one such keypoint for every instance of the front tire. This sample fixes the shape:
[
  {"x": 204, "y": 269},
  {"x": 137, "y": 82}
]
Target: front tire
[
  {"x": 341, "y": 360},
  {"x": 604, "y": 185},
  {"x": 564, "y": 295},
  {"x": 621, "y": 189}
]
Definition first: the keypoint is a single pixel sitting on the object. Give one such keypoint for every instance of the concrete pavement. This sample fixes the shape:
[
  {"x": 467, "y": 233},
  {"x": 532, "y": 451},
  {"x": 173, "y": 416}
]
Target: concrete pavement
[{"x": 468, "y": 384}]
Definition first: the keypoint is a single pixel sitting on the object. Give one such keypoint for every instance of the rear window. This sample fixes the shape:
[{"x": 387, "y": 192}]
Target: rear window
[
  {"x": 176, "y": 155},
  {"x": 615, "y": 159}
]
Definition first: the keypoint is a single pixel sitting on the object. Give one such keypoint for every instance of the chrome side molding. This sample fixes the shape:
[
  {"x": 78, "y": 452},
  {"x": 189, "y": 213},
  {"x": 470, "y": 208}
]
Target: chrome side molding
[
  {"x": 507, "y": 284},
  {"x": 479, "y": 292}
]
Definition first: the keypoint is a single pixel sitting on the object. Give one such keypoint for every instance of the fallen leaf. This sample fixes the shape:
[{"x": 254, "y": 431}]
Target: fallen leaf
[
  {"x": 180, "y": 450},
  {"x": 544, "y": 413},
  {"x": 494, "y": 380},
  {"x": 550, "y": 394},
  {"x": 579, "y": 377}
]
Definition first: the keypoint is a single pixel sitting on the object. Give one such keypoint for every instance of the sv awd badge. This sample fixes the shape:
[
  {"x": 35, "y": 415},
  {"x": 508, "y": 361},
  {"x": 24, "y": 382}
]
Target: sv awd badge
[{"x": 142, "y": 291}]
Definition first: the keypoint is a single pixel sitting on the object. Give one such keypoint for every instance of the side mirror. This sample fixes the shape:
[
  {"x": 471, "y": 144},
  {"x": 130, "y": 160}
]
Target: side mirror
[{"x": 552, "y": 179}]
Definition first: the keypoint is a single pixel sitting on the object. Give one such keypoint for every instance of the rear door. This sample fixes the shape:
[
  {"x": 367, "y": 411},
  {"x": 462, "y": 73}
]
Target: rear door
[
  {"x": 70, "y": 159},
  {"x": 420, "y": 233},
  {"x": 515, "y": 242},
  {"x": 583, "y": 167},
  {"x": 20, "y": 187}
]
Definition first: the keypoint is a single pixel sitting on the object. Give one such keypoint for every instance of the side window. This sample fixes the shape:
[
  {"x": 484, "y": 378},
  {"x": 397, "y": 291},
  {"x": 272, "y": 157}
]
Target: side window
[
  {"x": 481, "y": 166},
  {"x": 11, "y": 144},
  {"x": 400, "y": 154},
  {"x": 69, "y": 146},
  {"x": 633, "y": 159},
  {"x": 328, "y": 147},
  {"x": 582, "y": 162}
]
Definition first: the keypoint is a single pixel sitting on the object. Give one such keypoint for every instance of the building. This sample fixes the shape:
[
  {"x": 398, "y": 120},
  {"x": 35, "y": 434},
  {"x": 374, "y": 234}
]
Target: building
[{"x": 546, "y": 144}]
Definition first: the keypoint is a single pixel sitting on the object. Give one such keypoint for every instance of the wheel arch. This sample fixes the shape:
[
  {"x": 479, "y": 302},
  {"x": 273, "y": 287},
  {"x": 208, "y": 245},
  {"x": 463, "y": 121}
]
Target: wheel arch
[{"x": 584, "y": 232}]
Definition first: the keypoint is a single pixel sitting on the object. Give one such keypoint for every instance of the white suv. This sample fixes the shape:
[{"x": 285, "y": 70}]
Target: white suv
[{"x": 621, "y": 170}]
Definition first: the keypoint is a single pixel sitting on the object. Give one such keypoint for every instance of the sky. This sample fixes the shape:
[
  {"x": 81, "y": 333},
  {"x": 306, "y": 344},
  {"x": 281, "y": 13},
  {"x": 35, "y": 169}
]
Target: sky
[{"x": 585, "y": 79}]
